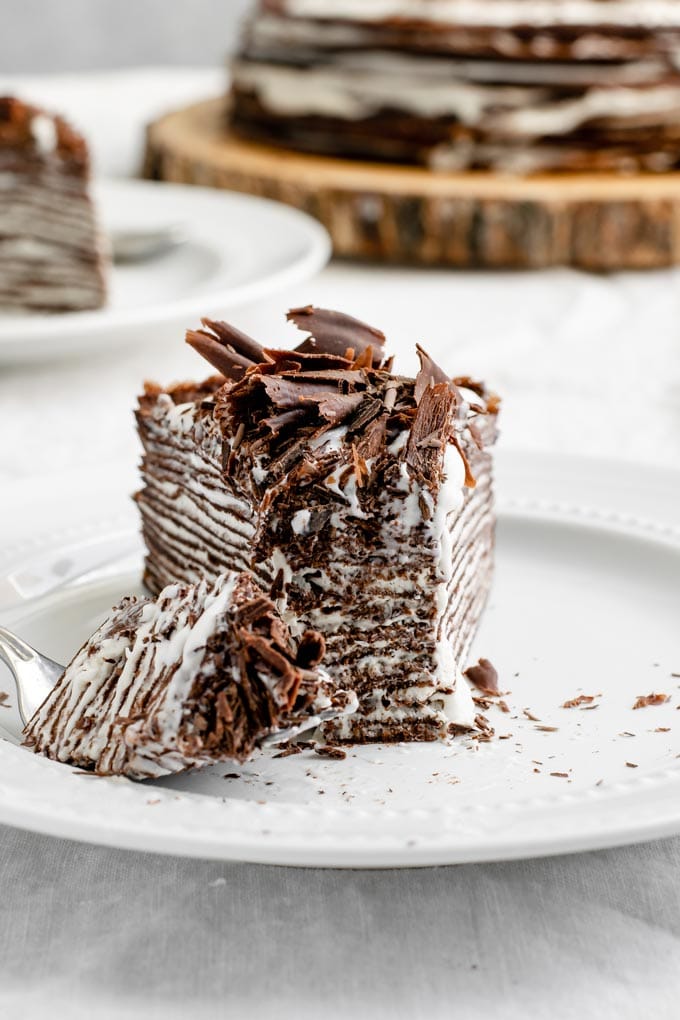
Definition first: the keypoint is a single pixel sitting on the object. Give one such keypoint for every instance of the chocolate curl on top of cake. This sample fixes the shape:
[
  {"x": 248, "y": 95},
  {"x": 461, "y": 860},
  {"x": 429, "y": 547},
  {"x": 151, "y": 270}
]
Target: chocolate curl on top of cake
[
  {"x": 294, "y": 416},
  {"x": 337, "y": 333},
  {"x": 299, "y": 415},
  {"x": 226, "y": 348},
  {"x": 233, "y": 352},
  {"x": 440, "y": 407}
]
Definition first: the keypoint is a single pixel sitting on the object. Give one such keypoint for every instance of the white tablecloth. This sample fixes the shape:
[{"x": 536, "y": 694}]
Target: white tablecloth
[{"x": 585, "y": 364}]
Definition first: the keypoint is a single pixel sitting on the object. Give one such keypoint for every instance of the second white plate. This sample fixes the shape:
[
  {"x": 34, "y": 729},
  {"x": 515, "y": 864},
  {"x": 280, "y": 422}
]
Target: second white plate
[
  {"x": 586, "y": 601},
  {"x": 238, "y": 249}
]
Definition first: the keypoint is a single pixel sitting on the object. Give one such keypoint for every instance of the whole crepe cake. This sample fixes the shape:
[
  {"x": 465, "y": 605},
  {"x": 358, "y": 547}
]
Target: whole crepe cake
[
  {"x": 512, "y": 85},
  {"x": 361, "y": 500}
]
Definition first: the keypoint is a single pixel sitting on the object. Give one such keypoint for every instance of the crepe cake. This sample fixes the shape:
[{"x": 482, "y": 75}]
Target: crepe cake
[
  {"x": 194, "y": 677},
  {"x": 52, "y": 256},
  {"x": 361, "y": 499},
  {"x": 513, "y": 85}
]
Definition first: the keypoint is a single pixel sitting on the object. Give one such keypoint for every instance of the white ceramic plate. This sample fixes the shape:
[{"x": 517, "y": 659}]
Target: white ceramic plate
[
  {"x": 586, "y": 601},
  {"x": 238, "y": 250}
]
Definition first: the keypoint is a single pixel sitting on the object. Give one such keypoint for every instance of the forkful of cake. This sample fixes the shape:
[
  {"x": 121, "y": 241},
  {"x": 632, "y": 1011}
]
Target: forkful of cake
[{"x": 205, "y": 673}]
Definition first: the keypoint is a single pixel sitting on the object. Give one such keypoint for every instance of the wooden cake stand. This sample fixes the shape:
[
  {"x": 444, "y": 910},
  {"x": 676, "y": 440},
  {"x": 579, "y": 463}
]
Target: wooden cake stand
[{"x": 410, "y": 214}]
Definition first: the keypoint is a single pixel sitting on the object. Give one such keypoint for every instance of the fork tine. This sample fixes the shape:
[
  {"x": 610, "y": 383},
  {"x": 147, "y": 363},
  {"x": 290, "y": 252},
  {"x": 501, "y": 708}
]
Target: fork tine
[{"x": 34, "y": 674}]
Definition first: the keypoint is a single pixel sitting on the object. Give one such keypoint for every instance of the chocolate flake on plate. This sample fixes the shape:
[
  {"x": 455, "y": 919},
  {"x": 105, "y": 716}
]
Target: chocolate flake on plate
[
  {"x": 651, "y": 699},
  {"x": 484, "y": 676}
]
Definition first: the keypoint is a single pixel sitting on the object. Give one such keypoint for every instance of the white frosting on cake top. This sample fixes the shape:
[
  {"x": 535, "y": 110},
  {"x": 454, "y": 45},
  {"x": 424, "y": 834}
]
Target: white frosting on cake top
[{"x": 44, "y": 133}]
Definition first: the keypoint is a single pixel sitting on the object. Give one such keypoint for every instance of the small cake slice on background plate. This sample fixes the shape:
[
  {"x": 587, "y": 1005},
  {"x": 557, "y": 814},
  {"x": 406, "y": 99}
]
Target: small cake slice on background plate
[{"x": 52, "y": 255}]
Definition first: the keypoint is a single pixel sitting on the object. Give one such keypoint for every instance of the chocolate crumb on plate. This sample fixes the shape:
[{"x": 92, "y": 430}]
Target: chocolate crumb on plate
[
  {"x": 484, "y": 676},
  {"x": 287, "y": 751},
  {"x": 580, "y": 699},
  {"x": 644, "y": 700},
  {"x": 330, "y": 751},
  {"x": 631, "y": 765},
  {"x": 530, "y": 715}
]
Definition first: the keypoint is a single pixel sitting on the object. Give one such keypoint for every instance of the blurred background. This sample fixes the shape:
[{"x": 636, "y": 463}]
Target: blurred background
[{"x": 88, "y": 35}]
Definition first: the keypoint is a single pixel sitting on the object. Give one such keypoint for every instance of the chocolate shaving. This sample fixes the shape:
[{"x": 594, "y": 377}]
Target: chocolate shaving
[
  {"x": 434, "y": 417},
  {"x": 307, "y": 362},
  {"x": 430, "y": 374},
  {"x": 336, "y": 333},
  {"x": 581, "y": 699},
  {"x": 288, "y": 394},
  {"x": 330, "y": 751},
  {"x": 484, "y": 676},
  {"x": 227, "y": 349},
  {"x": 470, "y": 480},
  {"x": 336, "y": 407},
  {"x": 373, "y": 441},
  {"x": 360, "y": 468},
  {"x": 234, "y": 338},
  {"x": 277, "y": 422},
  {"x": 287, "y": 751},
  {"x": 311, "y": 649},
  {"x": 367, "y": 411},
  {"x": 651, "y": 699}
]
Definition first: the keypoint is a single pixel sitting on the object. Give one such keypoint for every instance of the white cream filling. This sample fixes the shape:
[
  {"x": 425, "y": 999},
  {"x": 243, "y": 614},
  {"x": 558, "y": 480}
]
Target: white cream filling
[
  {"x": 560, "y": 118},
  {"x": 355, "y": 94},
  {"x": 300, "y": 522}
]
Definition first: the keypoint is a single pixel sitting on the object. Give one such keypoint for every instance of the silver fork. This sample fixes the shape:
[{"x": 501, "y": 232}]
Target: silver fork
[{"x": 35, "y": 675}]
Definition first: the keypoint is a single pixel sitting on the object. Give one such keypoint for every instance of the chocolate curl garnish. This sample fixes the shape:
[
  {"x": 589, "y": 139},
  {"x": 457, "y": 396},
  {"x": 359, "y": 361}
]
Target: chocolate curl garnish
[
  {"x": 336, "y": 333},
  {"x": 470, "y": 480},
  {"x": 430, "y": 374},
  {"x": 360, "y": 467},
  {"x": 227, "y": 349},
  {"x": 316, "y": 361},
  {"x": 431, "y": 431},
  {"x": 311, "y": 649}
]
